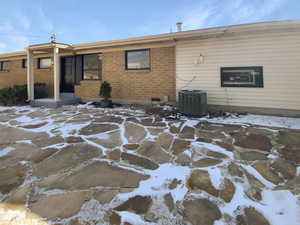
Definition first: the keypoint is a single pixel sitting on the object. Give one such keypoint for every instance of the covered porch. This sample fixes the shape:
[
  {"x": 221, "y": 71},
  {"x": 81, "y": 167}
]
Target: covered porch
[{"x": 54, "y": 51}]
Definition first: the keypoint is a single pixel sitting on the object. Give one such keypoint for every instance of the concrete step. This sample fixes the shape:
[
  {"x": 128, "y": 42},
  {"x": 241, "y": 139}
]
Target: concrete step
[
  {"x": 67, "y": 95},
  {"x": 51, "y": 103}
]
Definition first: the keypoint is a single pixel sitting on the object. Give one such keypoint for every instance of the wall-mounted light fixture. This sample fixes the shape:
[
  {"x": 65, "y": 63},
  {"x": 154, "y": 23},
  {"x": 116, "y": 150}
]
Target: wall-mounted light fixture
[{"x": 199, "y": 59}]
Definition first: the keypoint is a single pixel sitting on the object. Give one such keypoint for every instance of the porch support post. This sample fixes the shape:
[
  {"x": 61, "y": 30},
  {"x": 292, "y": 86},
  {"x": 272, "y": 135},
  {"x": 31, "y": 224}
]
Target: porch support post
[
  {"x": 56, "y": 69},
  {"x": 30, "y": 75}
]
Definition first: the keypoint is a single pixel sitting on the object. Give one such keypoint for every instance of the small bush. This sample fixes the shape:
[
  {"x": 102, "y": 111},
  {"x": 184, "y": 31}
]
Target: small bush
[
  {"x": 105, "y": 90},
  {"x": 17, "y": 94},
  {"x": 13, "y": 95}
]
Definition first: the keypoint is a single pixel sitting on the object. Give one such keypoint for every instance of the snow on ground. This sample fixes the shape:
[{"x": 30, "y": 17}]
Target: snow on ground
[
  {"x": 280, "y": 207},
  {"x": 261, "y": 120},
  {"x": 156, "y": 184},
  {"x": 133, "y": 218},
  {"x": 5, "y": 151}
]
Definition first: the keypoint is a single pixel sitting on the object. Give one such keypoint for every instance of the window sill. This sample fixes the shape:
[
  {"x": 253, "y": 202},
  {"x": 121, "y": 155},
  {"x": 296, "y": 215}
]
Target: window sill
[
  {"x": 90, "y": 81},
  {"x": 138, "y": 71}
]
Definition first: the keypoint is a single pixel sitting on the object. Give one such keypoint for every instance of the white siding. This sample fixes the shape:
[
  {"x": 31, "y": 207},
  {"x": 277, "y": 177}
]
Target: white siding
[{"x": 279, "y": 54}]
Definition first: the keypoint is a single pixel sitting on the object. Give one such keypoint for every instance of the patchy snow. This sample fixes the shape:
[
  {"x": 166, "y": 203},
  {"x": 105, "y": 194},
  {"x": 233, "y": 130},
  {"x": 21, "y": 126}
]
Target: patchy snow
[
  {"x": 91, "y": 210},
  {"x": 24, "y": 119},
  {"x": 133, "y": 219},
  {"x": 156, "y": 184},
  {"x": 261, "y": 120},
  {"x": 216, "y": 177},
  {"x": 5, "y": 151},
  {"x": 213, "y": 148},
  {"x": 298, "y": 171},
  {"x": 24, "y": 141},
  {"x": 191, "y": 123},
  {"x": 258, "y": 176},
  {"x": 279, "y": 207}
]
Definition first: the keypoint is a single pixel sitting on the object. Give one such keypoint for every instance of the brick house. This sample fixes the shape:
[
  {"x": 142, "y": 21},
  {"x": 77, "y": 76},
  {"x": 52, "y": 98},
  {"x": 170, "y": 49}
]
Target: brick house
[{"x": 253, "y": 66}]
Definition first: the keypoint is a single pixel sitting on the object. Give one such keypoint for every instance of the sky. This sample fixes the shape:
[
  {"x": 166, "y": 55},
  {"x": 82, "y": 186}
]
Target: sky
[{"x": 25, "y": 22}]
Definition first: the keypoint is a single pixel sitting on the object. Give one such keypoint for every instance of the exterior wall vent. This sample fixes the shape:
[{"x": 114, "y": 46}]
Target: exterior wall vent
[{"x": 193, "y": 103}]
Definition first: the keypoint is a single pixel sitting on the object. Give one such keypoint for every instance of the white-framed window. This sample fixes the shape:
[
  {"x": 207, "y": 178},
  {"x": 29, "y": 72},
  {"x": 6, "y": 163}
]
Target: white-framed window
[
  {"x": 4, "y": 66},
  {"x": 44, "y": 63}
]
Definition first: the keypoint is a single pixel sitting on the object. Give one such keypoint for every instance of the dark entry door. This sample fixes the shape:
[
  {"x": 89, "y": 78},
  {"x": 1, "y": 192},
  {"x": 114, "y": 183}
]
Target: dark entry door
[{"x": 67, "y": 74}]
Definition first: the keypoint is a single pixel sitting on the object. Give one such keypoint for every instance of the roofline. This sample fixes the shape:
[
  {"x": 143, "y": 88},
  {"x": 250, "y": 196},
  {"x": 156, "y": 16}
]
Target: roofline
[
  {"x": 183, "y": 35},
  {"x": 13, "y": 54}
]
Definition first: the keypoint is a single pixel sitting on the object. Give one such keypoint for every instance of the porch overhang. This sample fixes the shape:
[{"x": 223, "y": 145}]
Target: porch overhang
[{"x": 46, "y": 48}]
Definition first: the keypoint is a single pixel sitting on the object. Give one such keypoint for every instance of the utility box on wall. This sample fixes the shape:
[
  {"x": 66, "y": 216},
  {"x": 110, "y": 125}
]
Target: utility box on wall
[{"x": 193, "y": 103}]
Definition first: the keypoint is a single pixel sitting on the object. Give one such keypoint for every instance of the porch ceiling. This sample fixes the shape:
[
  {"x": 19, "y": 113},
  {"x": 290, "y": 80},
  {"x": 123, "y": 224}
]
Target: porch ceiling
[{"x": 48, "y": 47}]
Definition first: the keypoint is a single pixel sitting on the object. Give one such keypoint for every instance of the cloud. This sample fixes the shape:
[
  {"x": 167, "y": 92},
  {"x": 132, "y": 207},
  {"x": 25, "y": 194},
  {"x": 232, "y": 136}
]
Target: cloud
[
  {"x": 219, "y": 13},
  {"x": 212, "y": 13},
  {"x": 44, "y": 22},
  {"x": 11, "y": 37},
  {"x": 25, "y": 21},
  {"x": 3, "y": 46}
]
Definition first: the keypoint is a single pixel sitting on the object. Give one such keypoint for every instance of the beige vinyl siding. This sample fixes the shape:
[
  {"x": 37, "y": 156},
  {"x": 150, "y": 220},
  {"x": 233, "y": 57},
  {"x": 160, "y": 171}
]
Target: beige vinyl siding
[{"x": 279, "y": 54}]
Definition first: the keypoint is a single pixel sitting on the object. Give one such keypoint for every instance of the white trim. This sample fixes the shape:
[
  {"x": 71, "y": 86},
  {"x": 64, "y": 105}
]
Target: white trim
[
  {"x": 30, "y": 75},
  {"x": 56, "y": 71}
]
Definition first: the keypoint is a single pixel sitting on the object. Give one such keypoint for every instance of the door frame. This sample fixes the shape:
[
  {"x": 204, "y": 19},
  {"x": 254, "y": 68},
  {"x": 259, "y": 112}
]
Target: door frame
[{"x": 62, "y": 73}]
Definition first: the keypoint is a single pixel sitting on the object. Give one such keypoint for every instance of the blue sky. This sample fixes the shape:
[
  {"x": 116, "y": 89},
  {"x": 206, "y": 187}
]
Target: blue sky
[{"x": 24, "y": 22}]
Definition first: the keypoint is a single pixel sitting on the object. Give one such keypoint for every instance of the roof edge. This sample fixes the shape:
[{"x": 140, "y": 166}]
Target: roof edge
[{"x": 169, "y": 37}]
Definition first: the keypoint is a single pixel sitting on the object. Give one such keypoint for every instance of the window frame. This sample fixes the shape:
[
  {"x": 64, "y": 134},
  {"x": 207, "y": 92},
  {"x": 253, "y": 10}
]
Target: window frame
[
  {"x": 1, "y": 66},
  {"x": 258, "y": 84},
  {"x": 39, "y": 63},
  {"x": 24, "y": 63},
  {"x": 137, "y": 50},
  {"x": 99, "y": 78}
]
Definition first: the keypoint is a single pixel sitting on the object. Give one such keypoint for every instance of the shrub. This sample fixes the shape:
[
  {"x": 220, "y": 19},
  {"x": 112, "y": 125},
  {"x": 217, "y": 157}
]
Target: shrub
[
  {"x": 17, "y": 94},
  {"x": 13, "y": 95},
  {"x": 105, "y": 90}
]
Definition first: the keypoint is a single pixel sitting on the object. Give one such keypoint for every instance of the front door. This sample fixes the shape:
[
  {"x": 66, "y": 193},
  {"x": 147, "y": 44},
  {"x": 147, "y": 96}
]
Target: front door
[{"x": 67, "y": 74}]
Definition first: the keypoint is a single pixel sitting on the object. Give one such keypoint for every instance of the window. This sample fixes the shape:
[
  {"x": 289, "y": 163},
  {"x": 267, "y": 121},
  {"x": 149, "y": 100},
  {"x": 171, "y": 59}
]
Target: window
[
  {"x": 242, "y": 76},
  {"x": 44, "y": 63},
  {"x": 4, "y": 66},
  {"x": 24, "y": 63},
  {"x": 137, "y": 59},
  {"x": 92, "y": 67}
]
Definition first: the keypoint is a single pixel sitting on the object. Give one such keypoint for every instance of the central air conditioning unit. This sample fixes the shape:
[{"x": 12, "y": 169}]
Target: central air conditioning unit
[{"x": 192, "y": 103}]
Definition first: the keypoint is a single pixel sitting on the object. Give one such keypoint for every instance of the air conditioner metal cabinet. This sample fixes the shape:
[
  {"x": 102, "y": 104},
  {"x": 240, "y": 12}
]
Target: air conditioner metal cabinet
[{"x": 192, "y": 103}]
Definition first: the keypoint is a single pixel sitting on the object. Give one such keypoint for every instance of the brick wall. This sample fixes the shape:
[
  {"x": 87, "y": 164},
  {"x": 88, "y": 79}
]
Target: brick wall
[
  {"x": 18, "y": 76},
  {"x": 15, "y": 76},
  {"x": 135, "y": 85},
  {"x": 142, "y": 85},
  {"x": 88, "y": 89}
]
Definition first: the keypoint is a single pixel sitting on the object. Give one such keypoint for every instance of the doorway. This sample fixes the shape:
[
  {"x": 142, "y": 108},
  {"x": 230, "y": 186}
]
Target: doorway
[{"x": 67, "y": 74}]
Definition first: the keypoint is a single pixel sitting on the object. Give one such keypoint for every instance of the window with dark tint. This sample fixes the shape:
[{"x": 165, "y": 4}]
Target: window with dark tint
[
  {"x": 137, "y": 59},
  {"x": 24, "y": 63},
  {"x": 44, "y": 63},
  {"x": 91, "y": 67},
  {"x": 4, "y": 66},
  {"x": 242, "y": 76}
]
